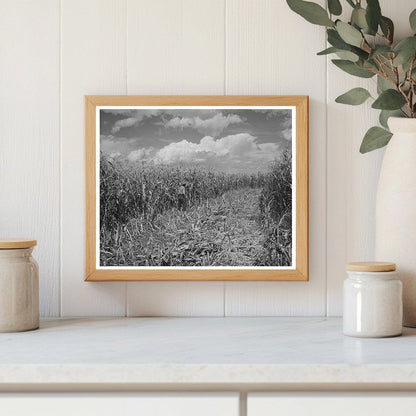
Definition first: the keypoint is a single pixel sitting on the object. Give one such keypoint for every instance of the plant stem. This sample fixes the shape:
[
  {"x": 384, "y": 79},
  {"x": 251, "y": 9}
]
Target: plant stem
[
  {"x": 395, "y": 71},
  {"x": 411, "y": 92},
  {"x": 385, "y": 75},
  {"x": 398, "y": 85},
  {"x": 408, "y": 103}
]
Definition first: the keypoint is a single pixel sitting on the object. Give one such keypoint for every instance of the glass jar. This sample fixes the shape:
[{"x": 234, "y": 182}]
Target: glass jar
[
  {"x": 372, "y": 300},
  {"x": 19, "y": 286}
]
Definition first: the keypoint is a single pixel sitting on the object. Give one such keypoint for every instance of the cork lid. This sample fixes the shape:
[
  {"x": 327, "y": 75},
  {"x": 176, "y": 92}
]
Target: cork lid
[
  {"x": 371, "y": 266},
  {"x": 12, "y": 243}
]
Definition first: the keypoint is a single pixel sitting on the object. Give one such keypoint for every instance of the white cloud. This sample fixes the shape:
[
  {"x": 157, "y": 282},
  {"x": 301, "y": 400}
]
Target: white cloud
[
  {"x": 182, "y": 151},
  {"x": 213, "y": 126},
  {"x": 125, "y": 122},
  {"x": 233, "y": 153},
  {"x": 287, "y": 134},
  {"x": 140, "y": 154},
  {"x": 134, "y": 117},
  {"x": 234, "y": 149}
]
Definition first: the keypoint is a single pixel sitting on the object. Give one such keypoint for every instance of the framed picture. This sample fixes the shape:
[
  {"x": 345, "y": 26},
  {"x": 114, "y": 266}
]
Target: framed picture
[{"x": 196, "y": 188}]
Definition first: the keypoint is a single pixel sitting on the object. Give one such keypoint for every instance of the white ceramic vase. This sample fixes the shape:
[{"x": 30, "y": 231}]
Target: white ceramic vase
[{"x": 396, "y": 210}]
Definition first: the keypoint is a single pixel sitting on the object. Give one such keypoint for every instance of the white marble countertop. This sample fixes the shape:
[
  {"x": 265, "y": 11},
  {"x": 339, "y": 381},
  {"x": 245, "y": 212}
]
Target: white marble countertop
[{"x": 185, "y": 352}]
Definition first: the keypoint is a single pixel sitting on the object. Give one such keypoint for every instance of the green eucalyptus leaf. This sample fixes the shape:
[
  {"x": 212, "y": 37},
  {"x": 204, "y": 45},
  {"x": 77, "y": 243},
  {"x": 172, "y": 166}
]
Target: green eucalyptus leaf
[
  {"x": 358, "y": 18},
  {"x": 370, "y": 64},
  {"x": 327, "y": 51},
  {"x": 412, "y": 20},
  {"x": 406, "y": 66},
  {"x": 383, "y": 84},
  {"x": 356, "y": 96},
  {"x": 405, "y": 43},
  {"x": 373, "y": 15},
  {"x": 359, "y": 52},
  {"x": 375, "y": 138},
  {"x": 405, "y": 51},
  {"x": 352, "y": 68},
  {"x": 348, "y": 56},
  {"x": 311, "y": 12},
  {"x": 387, "y": 27},
  {"x": 389, "y": 100},
  {"x": 386, "y": 114},
  {"x": 381, "y": 50},
  {"x": 334, "y": 7},
  {"x": 349, "y": 34},
  {"x": 335, "y": 40}
]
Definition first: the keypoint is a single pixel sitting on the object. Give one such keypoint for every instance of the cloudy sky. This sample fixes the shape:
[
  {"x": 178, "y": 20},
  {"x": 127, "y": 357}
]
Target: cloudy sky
[{"x": 229, "y": 140}]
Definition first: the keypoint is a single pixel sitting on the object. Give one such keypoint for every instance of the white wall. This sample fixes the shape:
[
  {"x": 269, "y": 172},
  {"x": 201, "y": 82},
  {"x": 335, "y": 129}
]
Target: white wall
[{"x": 54, "y": 52}]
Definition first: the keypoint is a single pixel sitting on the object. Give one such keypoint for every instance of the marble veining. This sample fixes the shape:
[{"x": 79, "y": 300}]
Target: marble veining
[{"x": 203, "y": 350}]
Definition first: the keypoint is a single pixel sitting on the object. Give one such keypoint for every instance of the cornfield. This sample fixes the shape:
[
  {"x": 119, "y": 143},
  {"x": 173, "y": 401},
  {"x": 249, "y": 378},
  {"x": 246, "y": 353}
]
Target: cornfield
[
  {"x": 141, "y": 223},
  {"x": 276, "y": 213}
]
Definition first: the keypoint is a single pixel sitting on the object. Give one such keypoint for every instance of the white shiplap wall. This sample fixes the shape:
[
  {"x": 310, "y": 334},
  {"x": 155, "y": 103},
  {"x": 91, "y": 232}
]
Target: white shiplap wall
[
  {"x": 183, "y": 54},
  {"x": 56, "y": 51},
  {"x": 29, "y": 139},
  {"x": 93, "y": 61}
]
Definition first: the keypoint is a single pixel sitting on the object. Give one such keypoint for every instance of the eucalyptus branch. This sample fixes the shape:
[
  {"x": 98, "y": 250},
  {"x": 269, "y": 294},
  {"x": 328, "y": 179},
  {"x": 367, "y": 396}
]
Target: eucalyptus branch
[
  {"x": 411, "y": 82},
  {"x": 364, "y": 49},
  {"x": 395, "y": 71},
  {"x": 366, "y": 46},
  {"x": 385, "y": 75},
  {"x": 380, "y": 64},
  {"x": 405, "y": 96},
  {"x": 366, "y": 43}
]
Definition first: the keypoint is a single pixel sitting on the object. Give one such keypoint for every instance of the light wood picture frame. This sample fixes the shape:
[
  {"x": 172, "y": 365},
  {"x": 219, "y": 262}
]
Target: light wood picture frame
[{"x": 227, "y": 140}]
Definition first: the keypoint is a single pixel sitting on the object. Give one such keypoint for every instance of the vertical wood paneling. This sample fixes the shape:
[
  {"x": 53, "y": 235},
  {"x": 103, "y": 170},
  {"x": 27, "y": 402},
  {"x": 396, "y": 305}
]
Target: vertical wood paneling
[
  {"x": 352, "y": 177},
  {"x": 175, "y": 299},
  {"x": 29, "y": 118},
  {"x": 93, "y": 59},
  {"x": 266, "y": 55},
  {"x": 175, "y": 47}
]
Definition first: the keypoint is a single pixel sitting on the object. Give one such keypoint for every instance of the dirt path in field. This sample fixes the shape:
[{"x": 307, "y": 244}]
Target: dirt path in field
[
  {"x": 241, "y": 228},
  {"x": 221, "y": 231}
]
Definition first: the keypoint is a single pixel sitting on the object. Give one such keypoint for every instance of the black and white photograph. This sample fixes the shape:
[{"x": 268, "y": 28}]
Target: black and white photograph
[{"x": 206, "y": 187}]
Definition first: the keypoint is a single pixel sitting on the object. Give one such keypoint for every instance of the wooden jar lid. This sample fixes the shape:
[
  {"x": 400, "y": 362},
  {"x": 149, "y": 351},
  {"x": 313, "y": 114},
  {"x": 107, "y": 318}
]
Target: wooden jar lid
[
  {"x": 371, "y": 266},
  {"x": 11, "y": 243}
]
